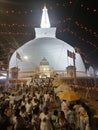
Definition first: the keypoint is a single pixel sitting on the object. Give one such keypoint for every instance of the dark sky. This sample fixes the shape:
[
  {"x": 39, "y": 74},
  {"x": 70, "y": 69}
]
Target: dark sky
[{"x": 76, "y": 22}]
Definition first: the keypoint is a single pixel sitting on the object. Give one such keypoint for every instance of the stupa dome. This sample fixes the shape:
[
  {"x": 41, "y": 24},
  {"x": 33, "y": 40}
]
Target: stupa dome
[
  {"x": 46, "y": 45},
  {"x": 53, "y": 49}
]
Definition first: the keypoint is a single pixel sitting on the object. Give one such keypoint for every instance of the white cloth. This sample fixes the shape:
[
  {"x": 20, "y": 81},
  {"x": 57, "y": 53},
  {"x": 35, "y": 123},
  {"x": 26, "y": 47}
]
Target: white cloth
[
  {"x": 28, "y": 107},
  {"x": 64, "y": 108},
  {"x": 46, "y": 97},
  {"x": 82, "y": 123},
  {"x": 45, "y": 122},
  {"x": 12, "y": 99}
]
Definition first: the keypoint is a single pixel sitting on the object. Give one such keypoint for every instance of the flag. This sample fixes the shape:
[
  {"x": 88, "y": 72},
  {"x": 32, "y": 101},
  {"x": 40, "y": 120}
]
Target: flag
[
  {"x": 86, "y": 61},
  {"x": 12, "y": 50},
  {"x": 70, "y": 54},
  {"x": 18, "y": 56},
  {"x": 77, "y": 50}
]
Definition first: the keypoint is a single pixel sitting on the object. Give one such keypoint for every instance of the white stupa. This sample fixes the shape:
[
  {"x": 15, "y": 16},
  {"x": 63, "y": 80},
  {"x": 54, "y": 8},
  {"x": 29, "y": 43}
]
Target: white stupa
[{"x": 46, "y": 45}]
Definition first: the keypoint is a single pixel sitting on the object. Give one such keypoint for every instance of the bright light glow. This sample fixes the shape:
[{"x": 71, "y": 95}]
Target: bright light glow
[
  {"x": 45, "y": 23},
  {"x": 26, "y": 57},
  {"x": 97, "y": 73},
  {"x": 40, "y": 76},
  {"x": 44, "y": 69},
  {"x": 2, "y": 77}
]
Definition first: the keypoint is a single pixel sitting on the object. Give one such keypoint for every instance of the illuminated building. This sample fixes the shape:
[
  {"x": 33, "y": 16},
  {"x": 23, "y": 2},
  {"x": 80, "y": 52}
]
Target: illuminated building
[{"x": 46, "y": 45}]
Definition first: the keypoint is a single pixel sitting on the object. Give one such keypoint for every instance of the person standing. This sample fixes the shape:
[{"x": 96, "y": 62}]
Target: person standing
[
  {"x": 5, "y": 116},
  {"x": 45, "y": 120}
]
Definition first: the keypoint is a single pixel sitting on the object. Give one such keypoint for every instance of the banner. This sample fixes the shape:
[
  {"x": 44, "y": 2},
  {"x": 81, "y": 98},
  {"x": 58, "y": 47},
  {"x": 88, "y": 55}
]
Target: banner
[
  {"x": 18, "y": 56},
  {"x": 70, "y": 54}
]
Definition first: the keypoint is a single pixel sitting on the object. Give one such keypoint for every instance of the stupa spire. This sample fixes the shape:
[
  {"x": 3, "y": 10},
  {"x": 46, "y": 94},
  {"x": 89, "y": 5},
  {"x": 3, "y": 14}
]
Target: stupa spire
[{"x": 45, "y": 23}]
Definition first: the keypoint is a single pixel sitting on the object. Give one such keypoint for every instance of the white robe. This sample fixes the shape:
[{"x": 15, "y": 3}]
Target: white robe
[{"x": 45, "y": 122}]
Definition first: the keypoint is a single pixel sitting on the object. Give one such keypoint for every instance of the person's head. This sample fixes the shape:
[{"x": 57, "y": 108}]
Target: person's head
[
  {"x": 45, "y": 110},
  {"x": 78, "y": 102},
  {"x": 70, "y": 107},
  {"x": 8, "y": 111},
  {"x": 17, "y": 113},
  {"x": 29, "y": 100},
  {"x": 3, "y": 108},
  {"x": 61, "y": 114},
  {"x": 12, "y": 94},
  {"x": 23, "y": 108},
  {"x": 55, "y": 112}
]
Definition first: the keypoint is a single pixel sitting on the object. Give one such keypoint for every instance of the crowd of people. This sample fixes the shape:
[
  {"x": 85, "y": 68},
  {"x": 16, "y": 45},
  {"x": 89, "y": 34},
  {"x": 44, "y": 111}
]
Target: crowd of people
[{"x": 37, "y": 107}]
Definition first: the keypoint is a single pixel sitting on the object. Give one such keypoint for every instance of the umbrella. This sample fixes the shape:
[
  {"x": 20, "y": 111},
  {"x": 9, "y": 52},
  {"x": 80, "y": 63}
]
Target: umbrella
[
  {"x": 62, "y": 88},
  {"x": 96, "y": 116},
  {"x": 69, "y": 95},
  {"x": 56, "y": 84}
]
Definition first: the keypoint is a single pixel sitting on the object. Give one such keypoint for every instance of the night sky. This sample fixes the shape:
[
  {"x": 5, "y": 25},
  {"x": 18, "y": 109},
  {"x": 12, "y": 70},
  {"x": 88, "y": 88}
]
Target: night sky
[{"x": 76, "y": 22}]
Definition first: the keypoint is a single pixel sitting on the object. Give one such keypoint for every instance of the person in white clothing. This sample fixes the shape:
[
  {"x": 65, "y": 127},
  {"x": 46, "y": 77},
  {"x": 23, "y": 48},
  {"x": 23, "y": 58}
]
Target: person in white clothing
[
  {"x": 45, "y": 123},
  {"x": 64, "y": 107},
  {"x": 46, "y": 98},
  {"x": 29, "y": 106}
]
